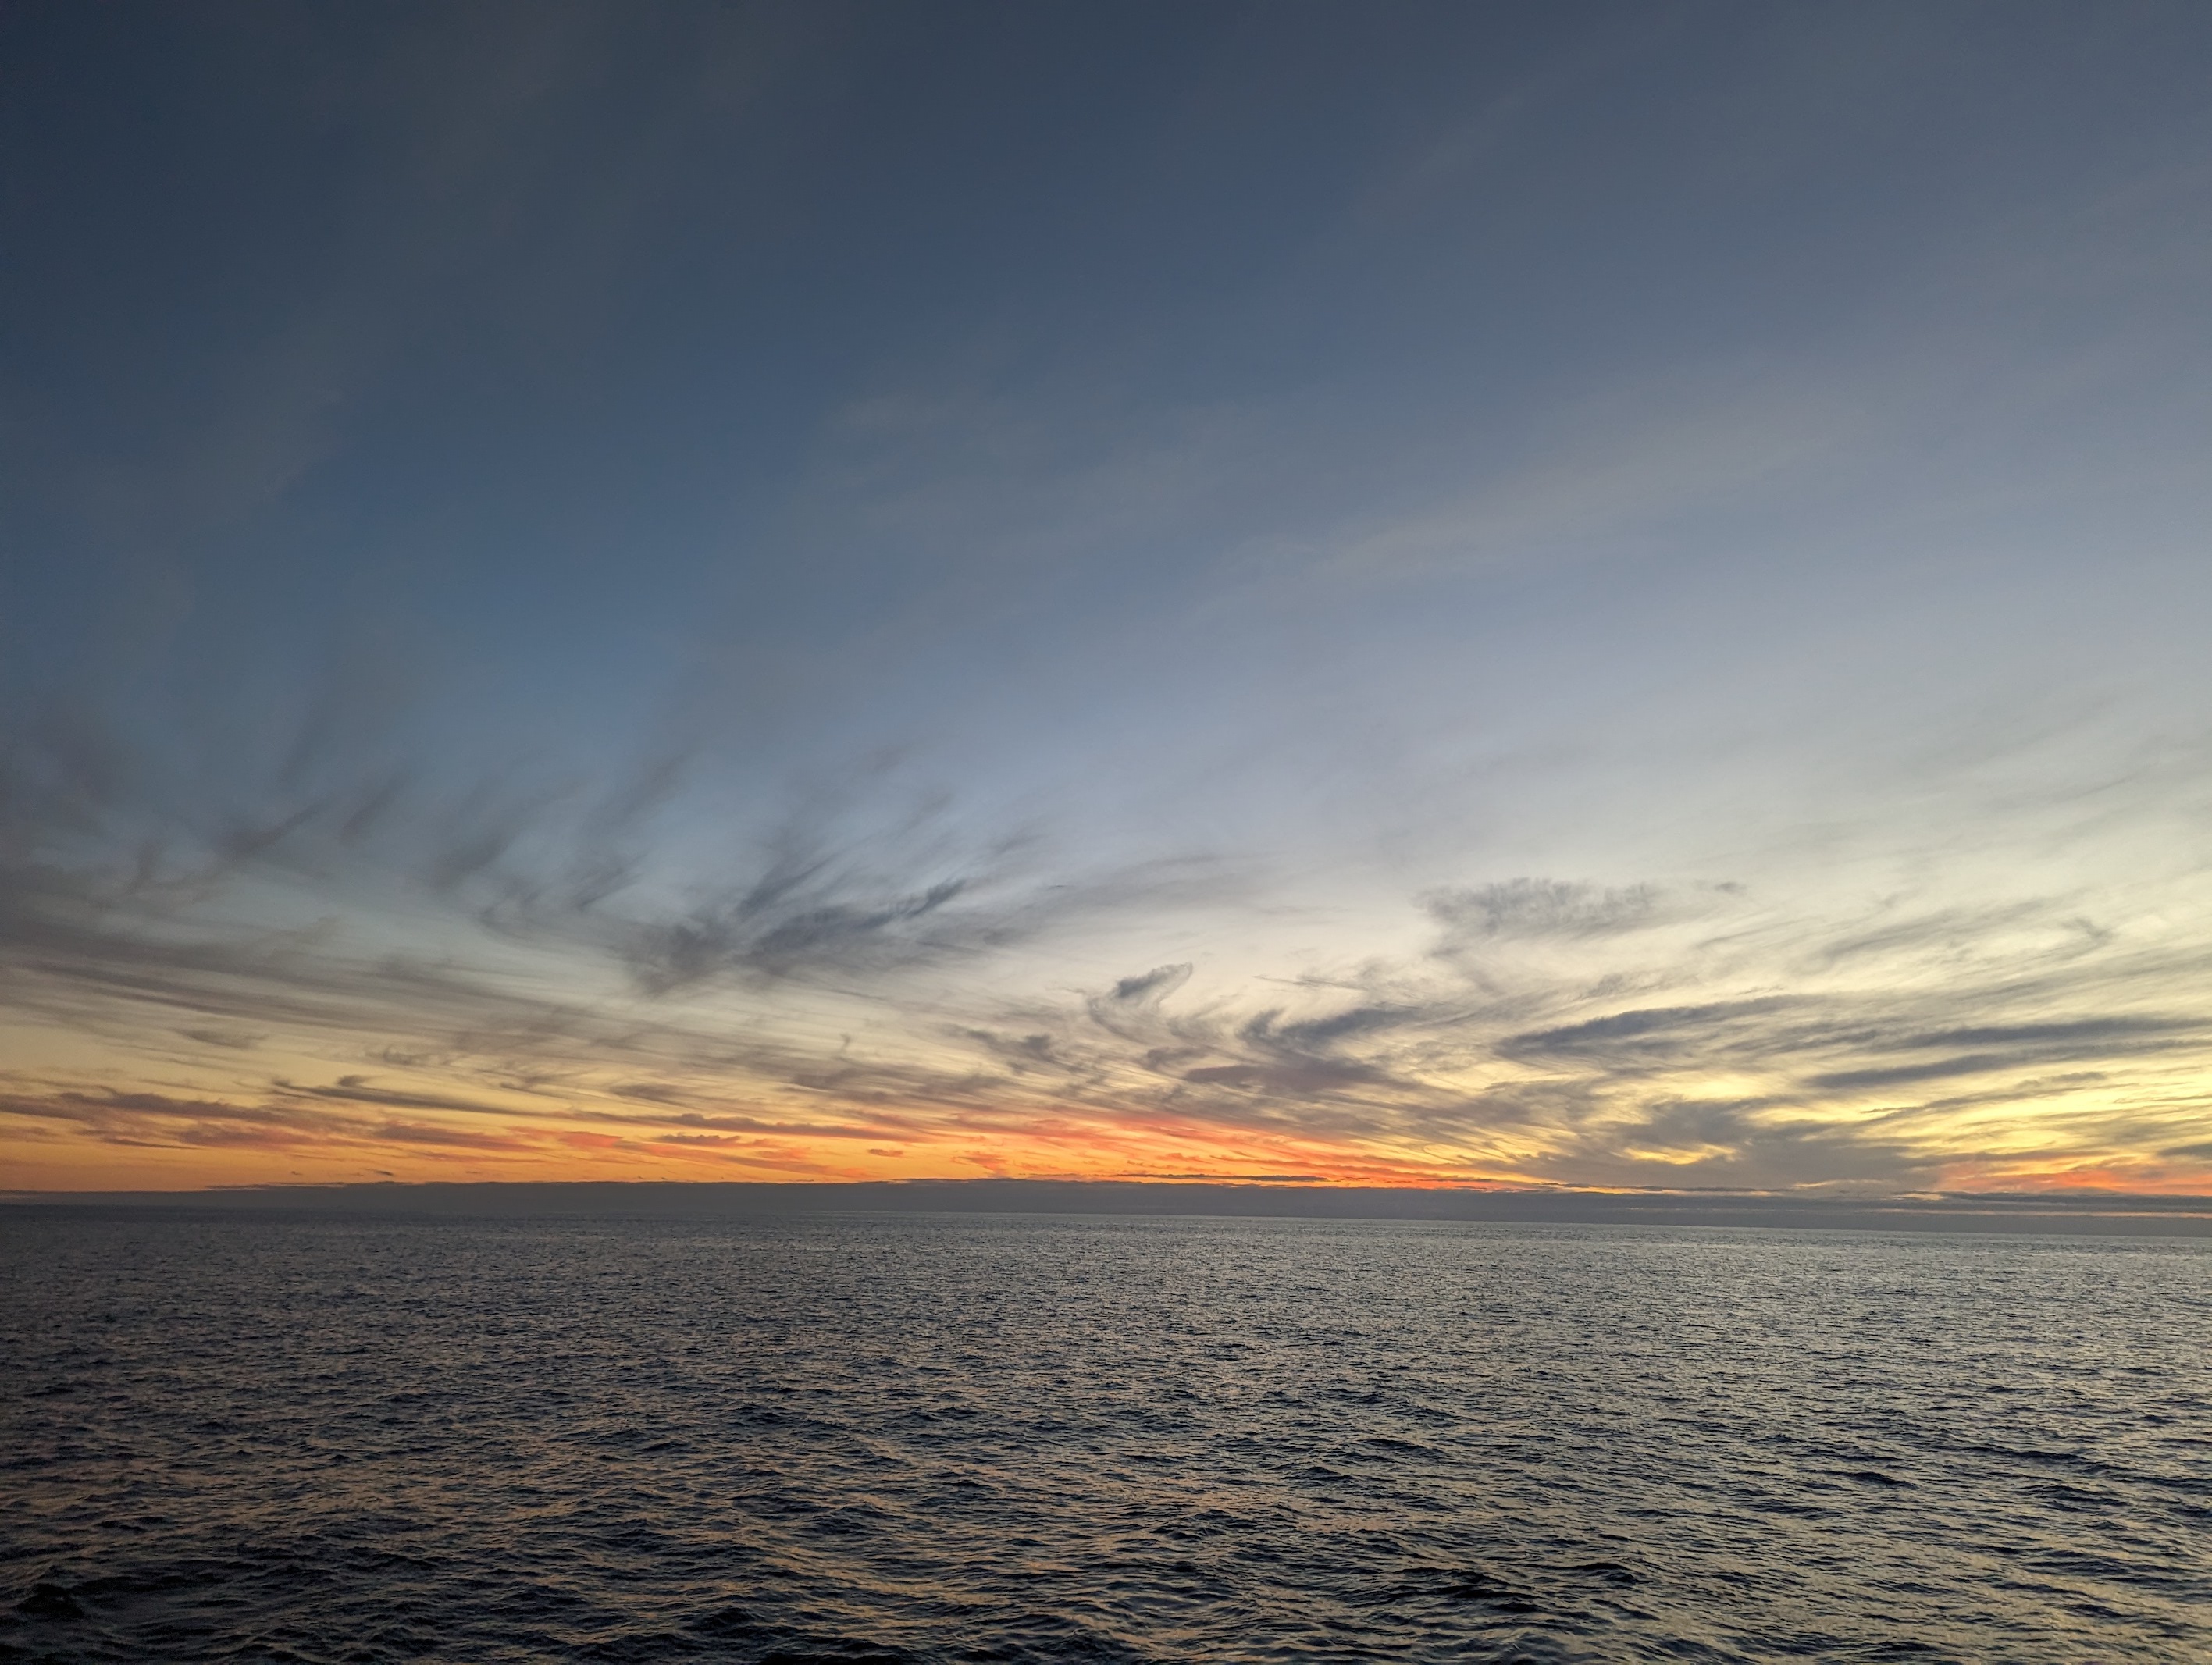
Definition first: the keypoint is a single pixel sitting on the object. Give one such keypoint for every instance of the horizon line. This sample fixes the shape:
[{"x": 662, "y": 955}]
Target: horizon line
[{"x": 2078, "y": 1211}]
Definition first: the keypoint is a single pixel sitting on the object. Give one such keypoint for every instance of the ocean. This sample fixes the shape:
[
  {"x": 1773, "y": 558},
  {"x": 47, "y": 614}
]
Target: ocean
[{"x": 938, "y": 1439}]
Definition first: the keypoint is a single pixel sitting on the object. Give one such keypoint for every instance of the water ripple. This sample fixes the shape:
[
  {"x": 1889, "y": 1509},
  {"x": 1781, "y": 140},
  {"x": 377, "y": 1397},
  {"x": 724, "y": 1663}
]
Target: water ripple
[{"x": 929, "y": 1440}]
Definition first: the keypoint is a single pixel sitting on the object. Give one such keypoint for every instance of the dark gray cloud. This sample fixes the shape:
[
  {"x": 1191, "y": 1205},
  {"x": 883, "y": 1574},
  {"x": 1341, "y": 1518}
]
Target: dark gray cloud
[
  {"x": 1655, "y": 1034},
  {"x": 1540, "y": 908},
  {"x": 1797, "y": 1033},
  {"x": 152, "y": 1120},
  {"x": 1907, "y": 1074},
  {"x": 356, "y": 1090},
  {"x": 2090, "y": 1031},
  {"x": 780, "y": 929},
  {"x": 1747, "y": 1144},
  {"x": 1154, "y": 986}
]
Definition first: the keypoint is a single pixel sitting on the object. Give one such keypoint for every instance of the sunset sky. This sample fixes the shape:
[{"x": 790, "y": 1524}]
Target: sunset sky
[{"x": 1588, "y": 595}]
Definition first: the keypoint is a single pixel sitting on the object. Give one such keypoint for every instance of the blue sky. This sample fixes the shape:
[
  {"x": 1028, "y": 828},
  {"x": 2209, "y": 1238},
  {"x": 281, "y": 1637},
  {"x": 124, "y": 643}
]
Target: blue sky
[{"x": 589, "y": 567}]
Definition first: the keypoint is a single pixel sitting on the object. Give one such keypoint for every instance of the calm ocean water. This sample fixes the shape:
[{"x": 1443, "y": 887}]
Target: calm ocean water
[{"x": 940, "y": 1438}]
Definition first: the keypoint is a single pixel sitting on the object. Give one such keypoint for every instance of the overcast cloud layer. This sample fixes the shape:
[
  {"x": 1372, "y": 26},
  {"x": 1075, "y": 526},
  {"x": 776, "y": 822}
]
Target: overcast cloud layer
[{"x": 1580, "y": 595}]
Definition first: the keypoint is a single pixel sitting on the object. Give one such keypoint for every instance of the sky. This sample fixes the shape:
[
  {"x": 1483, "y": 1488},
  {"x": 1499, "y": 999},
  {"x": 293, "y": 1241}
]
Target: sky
[{"x": 1568, "y": 595}]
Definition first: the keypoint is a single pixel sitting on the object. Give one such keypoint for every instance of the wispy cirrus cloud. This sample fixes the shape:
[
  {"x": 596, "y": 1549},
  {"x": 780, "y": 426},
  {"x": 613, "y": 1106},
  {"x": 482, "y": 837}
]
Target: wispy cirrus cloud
[
  {"x": 715, "y": 592},
  {"x": 866, "y": 978}
]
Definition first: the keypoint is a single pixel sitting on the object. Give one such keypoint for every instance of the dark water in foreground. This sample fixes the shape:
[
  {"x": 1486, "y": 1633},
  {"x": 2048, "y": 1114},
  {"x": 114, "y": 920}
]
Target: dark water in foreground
[{"x": 931, "y": 1439}]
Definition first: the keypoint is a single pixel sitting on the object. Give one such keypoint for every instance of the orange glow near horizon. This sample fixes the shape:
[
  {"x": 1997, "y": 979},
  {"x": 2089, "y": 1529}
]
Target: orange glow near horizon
[
  {"x": 536, "y": 1073},
  {"x": 155, "y": 1141},
  {"x": 1055, "y": 1148}
]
